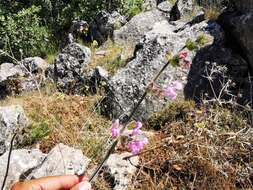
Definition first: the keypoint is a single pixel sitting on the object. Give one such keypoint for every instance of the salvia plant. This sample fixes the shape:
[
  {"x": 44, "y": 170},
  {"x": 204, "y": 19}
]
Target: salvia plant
[{"x": 137, "y": 139}]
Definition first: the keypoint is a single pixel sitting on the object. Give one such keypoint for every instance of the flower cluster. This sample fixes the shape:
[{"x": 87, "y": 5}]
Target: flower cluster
[
  {"x": 138, "y": 140},
  {"x": 170, "y": 91},
  {"x": 183, "y": 56}
]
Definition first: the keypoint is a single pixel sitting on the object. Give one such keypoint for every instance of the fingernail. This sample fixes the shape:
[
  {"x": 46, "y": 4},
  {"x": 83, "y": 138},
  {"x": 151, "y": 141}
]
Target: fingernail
[{"x": 85, "y": 186}]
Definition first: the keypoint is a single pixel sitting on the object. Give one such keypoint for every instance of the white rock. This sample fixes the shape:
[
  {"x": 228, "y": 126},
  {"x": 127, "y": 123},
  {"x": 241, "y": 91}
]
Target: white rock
[
  {"x": 121, "y": 170},
  {"x": 62, "y": 160},
  {"x": 21, "y": 162}
]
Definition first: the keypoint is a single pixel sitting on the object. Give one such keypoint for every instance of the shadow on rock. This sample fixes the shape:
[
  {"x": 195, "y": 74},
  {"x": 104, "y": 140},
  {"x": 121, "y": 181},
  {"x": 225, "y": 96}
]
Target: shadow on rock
[{"x": 218, "y": 72}]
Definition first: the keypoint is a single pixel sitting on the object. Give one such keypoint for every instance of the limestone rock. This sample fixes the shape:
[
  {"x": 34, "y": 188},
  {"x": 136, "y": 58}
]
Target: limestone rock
[
  {"x": 127, "y": 86},
  {"x": 70, "y": 66},
  {"x": 99, "y": 78},
  {"x": 244, "y": 5},
  {"x": 239, "y": 33},
  {"x": 29, "y": 164},
  {"x": 35, "y": 64},
  {"x": 12, "y": 118},
  {"x": 181, "y": 9},
  {"x": 121, "y": 170},
  {"x": 138, "y": 26},
  {"x": 207, "y": 59},
  {"x": 165, "y": 6},
  {"x": 104, "y": 25},
  {"x": 21, "y": 162},
  {"x": 25, "y": 76},
  {"x": 61, "y": 160}
]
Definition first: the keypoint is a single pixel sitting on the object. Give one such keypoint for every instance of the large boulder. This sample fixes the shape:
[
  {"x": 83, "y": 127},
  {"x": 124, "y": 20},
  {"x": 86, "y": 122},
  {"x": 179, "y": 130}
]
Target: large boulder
[
  {"x": 70, "y": 67},
  {"x": 127, "y": 86},
  {"x": 181, "y": 9},
  {"x": 243, "y": 5},
  {"x": 138, "y": 26},
  {"x": 20, "y": 163},
  {"x": 104, "y": 25},
  {"x": 27, "y": 75},
  {"x": 62, "y": 160},
  {"x": 29, "y": 164},
  {"x": 12, "y": 119},
  {"x": 225, "y": 65},
  {"x": 239, "y": 29},
  {"x": 165, "y": 6},
  {"x": 121, "y": 171}
]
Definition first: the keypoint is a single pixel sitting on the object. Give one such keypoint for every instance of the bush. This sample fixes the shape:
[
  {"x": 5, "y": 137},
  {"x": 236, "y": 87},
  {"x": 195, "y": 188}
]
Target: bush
[{"x": 22, "y": 35}]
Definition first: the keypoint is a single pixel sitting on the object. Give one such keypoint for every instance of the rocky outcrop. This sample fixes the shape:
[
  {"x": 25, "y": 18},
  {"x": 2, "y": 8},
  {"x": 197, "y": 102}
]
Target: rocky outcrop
[
  {"x": 182, "y": 8},
  {"x": 98, "y": 79},
  {"x": 27, "y": 75},
  {"x": 243, "y": 5},
  {"x": 127, "y": 86},
  {"x": 239, "y": 27},
  {"x": 70, "y": 68},
  {"x": 21, "y": 162},
  {"x": 138, "y": 26},
  {"x": 28, "y": 164},
  {"x": 61, "y": 160},
  {"x": 12, "y": 119},
  {"x": 104, "y": 25},
  {"x": 165, "y": 6},
  {"x": 120, "y": 170},
  {"x": 225, "y": 65}
]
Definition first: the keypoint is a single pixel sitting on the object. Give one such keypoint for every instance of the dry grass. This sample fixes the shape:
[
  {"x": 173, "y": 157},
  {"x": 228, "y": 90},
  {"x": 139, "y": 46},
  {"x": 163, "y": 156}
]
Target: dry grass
[
  {"x": 59, "y": 118},
  {"x": 198, "y": 149},
  {"x": 212, "y": 13},
  {"x": 114, "y": 58}
]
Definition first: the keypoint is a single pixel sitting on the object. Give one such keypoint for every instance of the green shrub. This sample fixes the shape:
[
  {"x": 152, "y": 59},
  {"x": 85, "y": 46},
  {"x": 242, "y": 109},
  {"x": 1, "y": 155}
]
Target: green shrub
[
  {"x": 132, "y": 7},
  {"x": 22, "y": 35}
]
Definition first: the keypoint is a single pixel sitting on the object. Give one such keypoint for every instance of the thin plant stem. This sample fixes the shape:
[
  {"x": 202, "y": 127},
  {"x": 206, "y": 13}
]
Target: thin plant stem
[
  {"x": 8, "y": 161},
  {"x": 114, "y": 144}
]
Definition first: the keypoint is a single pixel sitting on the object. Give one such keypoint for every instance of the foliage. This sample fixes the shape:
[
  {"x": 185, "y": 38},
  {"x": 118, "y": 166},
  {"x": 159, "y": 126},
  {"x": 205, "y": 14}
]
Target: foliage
[
  {"x": 37, "y": 27},
  {"x": 22, "y": 34},
  {"x": 132, "y": 7}
]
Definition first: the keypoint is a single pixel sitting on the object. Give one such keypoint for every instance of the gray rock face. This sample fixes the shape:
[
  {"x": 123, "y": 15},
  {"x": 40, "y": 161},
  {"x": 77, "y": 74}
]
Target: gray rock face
[
  {"x": 28, "y": 164},
  {"x": 244, "y": 5},
  {"x": 105, "y": 24},
  {"x": 210, "y": 58},
  {"x": 99, "y": 78},
  {"x": 121, "y": 170},
  {"x": 128, "y": 85},
  {"x": 9, "y": 70},
  {"x": 181, "y": 9},
  {"x": 62, "y": 160},
  {"x": 12, "y": 118},
  {"x": 27, "y": 75},
  {"x": 35, "y": 64},
  {"x": 138, "y": 26},
  {"x": 70, "y": 66},
  {"x": 165, "y": 6},
  {"x": 149, "y": 5},
  {"x": 21, "y": 162},
  {"x": 240, "y": 29}
]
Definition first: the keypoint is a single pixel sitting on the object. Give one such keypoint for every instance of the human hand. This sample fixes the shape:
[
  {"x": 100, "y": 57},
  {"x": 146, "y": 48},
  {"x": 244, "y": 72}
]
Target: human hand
[{"x": 54, "y": 183}]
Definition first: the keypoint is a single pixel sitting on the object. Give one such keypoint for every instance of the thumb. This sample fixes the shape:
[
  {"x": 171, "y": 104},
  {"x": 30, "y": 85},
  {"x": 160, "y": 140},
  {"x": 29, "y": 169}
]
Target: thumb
[{"x": 82, "y": 186}]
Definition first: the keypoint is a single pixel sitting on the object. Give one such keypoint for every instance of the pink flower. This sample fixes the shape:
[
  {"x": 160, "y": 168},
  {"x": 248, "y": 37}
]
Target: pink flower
[
  {"x": 137, "y": 145},
  {"x": 177, "y": 85},
  {"x": 183, "y": 55},
  {"x": 170, "y": 92},
  {"x": 136, "y": 130},
  {"x": 115, "y": 130}
]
